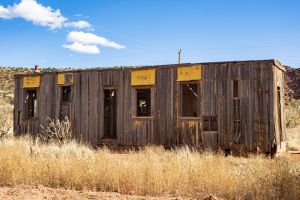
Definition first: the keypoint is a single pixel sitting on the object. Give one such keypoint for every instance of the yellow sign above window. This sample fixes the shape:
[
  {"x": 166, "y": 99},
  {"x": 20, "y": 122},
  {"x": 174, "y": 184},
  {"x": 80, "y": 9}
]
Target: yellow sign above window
[
  {"x": 189, "y": 73},
  {"x": 143, "y": 77},
  {"x": 65, "y": 79},
  {"x": 31, "y": 81}
]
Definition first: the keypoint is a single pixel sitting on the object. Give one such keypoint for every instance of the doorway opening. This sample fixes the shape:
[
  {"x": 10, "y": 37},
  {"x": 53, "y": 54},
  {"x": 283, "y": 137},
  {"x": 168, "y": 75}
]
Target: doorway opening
[
  {"x": 110, "y": 113},
  {"x": 279, "y": 110}
]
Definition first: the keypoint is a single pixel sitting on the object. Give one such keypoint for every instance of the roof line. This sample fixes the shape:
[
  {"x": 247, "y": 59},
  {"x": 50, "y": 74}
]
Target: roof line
[{"x": 276, "y": 63}]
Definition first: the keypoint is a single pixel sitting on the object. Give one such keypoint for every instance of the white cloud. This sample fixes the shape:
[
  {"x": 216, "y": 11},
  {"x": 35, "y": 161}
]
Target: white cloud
[
  {"x": 89, "y": 38},
  {"x": 78, "y": 15},
  {"x": 32, "y": 11},
  {"x": 82, "y": 42},
  {"x": 79, "y": 24},
  {"x": 82, "y": 48}
]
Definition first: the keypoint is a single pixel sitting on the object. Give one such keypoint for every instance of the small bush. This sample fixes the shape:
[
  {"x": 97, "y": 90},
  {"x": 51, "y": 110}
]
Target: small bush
[{"x": 57, "y": 131}]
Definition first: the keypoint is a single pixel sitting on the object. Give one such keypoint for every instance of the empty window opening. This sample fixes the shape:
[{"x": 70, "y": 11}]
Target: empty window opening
[
  {"x": 210, "y": 123},
  {"x": 236, "y": 120},
  {"x": 143, "y": 102},
  {"x": 235, "y": 89},
  {"x": 110, "y": 113},
  {"x": 189, "y": 100},
  {"x": 66, "y": 93},
  {"x": 31, "y": 103}
]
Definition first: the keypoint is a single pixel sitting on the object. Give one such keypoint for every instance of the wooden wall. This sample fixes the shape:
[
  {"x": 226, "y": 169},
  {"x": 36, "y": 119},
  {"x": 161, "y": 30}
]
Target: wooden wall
[{"x": 258, "y": 81}]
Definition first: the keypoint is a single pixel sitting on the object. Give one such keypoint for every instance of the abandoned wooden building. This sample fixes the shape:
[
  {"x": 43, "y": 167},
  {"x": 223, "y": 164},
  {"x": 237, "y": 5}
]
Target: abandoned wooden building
[{"x": 236, "y": 106}]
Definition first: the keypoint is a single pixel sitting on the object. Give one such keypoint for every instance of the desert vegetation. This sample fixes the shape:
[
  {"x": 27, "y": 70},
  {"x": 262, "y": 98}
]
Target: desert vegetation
[
  {"x": 149, "y": 171},
  {"x": 292, "y": 113},
  {"x": 6, "y": 119}
]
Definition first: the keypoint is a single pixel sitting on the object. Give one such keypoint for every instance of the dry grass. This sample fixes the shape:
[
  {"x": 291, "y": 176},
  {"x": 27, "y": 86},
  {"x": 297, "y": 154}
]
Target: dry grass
[
  {"x": 151, "y": 171},
  {"x": 6, "y": 119},
  {"x": 292, "y": 113},
  {"x": 56, "y": 131},
  {"x": 292, "y": 117}
]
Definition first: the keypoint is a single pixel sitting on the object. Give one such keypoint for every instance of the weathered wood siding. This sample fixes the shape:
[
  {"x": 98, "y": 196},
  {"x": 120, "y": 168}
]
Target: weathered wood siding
[{"x": 258, "y": 81}]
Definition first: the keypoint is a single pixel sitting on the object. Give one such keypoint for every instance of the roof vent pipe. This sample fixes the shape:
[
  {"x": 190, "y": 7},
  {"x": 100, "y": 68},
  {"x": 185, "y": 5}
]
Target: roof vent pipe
[{"x": 37, "y": 69}]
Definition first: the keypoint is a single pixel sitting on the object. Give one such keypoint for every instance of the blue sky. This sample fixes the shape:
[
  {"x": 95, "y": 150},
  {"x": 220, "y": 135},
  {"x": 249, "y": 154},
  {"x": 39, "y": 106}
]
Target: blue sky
[{"x": 94, "y": 33}]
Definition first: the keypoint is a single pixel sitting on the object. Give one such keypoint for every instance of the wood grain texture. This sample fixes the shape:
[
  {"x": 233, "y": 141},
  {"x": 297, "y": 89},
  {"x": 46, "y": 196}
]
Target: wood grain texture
[{"x": 261, "y": 126}]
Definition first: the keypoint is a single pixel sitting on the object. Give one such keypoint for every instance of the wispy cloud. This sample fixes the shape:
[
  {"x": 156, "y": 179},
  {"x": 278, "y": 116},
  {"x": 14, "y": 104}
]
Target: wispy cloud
[
  {"x": 79, "y": 24},
  {"x": 81, "y": 40},
  {"x": 82, "y": 48},
  {"x": 31, "y": 10}
]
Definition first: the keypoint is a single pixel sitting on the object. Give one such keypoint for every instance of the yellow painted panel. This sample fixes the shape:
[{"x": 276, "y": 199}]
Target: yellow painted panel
[
  {"x": 143, "y": 77},
  {"x": 31, "y": 81},
  {"x": 189, "y": 73},
  {"x": 65, "y": 79},
  {"x": 61, "y": 79}
]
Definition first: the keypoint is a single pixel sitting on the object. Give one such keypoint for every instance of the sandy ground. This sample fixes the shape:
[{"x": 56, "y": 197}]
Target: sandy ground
[{"x": 25, "y": 192}]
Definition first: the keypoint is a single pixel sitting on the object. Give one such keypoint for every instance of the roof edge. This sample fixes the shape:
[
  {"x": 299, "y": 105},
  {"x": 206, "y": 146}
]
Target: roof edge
[
  {"x": 278, "y": 64},
  {"x": 275, "y": 62}
]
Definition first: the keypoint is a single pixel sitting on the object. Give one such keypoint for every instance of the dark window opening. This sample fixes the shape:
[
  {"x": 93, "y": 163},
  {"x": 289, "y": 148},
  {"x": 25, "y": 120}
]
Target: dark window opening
[
  {"x": 31, "y": 103},
  {"x": 190, "y": 100},
  {"x": 235, "y": 89},
  {"x": 143, "y": 102},
  {"x": 66, "y": 93},
  {"x": 210, "y": 123},
  {"x": 236, "y": 120}
]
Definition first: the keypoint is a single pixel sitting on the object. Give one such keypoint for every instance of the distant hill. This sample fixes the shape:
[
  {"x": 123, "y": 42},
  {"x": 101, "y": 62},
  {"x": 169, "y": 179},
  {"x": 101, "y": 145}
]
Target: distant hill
[
  {"x": 7, "y": 80},
  {"x": 292, "y": 79}
]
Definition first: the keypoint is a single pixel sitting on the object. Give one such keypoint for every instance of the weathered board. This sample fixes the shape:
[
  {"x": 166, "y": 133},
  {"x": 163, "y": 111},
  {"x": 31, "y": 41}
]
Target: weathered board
[{"x": 260, "y": 94}]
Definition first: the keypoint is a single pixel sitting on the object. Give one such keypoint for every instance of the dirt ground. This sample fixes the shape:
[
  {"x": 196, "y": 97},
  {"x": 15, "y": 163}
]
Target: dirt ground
[{"x": 25, "y": 192}]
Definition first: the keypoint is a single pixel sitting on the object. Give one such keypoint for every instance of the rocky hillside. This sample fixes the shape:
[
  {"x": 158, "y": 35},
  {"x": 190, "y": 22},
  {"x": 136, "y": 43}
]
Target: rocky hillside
[
  {"x": 292, "y": 80},
  {"x": 7, "y": 81}
]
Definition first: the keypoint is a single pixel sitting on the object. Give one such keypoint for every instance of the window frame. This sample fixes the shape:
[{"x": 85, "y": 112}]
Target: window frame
[
  {"x": 209, "y": 119},
  {"x": 25, "y": 105},
  {"x": 134, "y": 102},
  {"x": 199, "y": 92},
  {"x": 61, "y": 94}
]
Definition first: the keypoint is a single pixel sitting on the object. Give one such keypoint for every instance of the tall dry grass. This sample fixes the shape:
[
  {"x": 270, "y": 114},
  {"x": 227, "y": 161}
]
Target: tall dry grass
[
  {"x": 151, "y": 171},
  {"x": 6, "y": 119}
]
